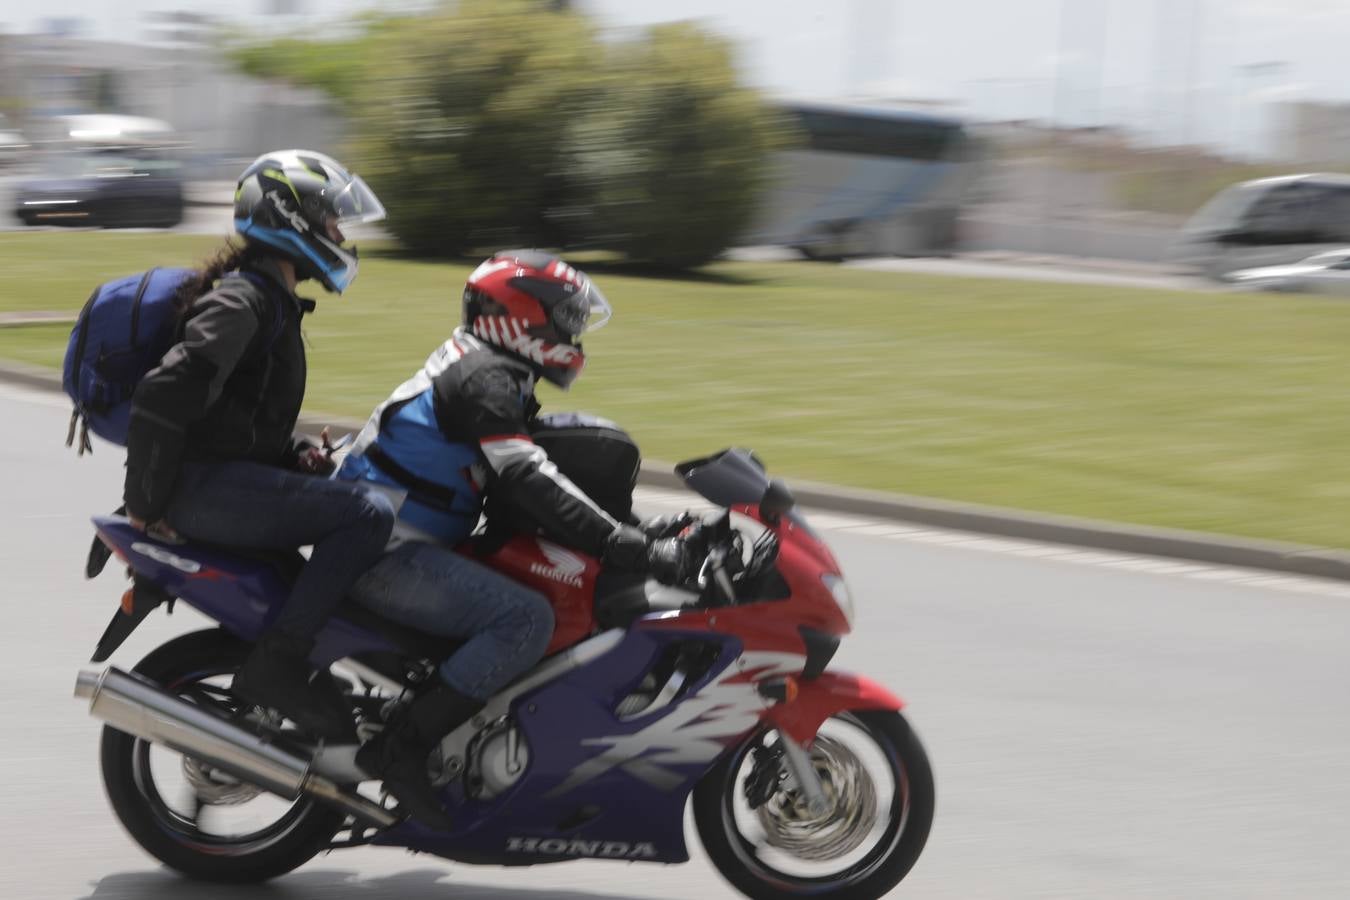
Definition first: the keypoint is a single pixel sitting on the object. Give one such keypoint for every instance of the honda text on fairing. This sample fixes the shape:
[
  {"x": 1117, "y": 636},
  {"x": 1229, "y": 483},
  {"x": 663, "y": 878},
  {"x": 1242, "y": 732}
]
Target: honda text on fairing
[{"x": 804, "y": 781}]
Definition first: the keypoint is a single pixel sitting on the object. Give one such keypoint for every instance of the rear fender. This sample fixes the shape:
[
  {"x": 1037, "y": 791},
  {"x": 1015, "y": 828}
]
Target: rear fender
[{"x": 822, "y": 697}]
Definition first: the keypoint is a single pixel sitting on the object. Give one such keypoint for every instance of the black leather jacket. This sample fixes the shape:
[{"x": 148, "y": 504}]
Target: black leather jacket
[
  {"x": 230, "y": 389},
  {"x": 486, "y": 398}
]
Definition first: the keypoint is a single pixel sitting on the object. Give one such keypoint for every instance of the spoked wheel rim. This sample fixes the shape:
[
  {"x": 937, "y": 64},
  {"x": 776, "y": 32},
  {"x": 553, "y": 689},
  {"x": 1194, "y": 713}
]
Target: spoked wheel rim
[
  {"x": 201, "y": 807},
  {"x": 784, "y": 845}
]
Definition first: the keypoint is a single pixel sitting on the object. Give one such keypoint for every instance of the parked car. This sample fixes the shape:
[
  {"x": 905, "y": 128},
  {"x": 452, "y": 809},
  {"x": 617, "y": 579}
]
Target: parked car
[
  {"x": 1266, "y": 222},
  {"x": 112, "y": 171},
  {"x": 1322, "y": 273}
]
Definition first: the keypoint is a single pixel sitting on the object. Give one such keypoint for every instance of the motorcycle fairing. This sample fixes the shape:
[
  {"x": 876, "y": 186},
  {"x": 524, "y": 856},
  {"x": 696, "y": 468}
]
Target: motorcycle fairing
[{"x": 595, "y": 781}]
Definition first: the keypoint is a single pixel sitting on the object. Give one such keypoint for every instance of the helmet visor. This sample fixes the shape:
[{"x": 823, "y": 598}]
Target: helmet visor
[
  {"x": 356, "y": 203},
  {"x": 585, "y": 310}
]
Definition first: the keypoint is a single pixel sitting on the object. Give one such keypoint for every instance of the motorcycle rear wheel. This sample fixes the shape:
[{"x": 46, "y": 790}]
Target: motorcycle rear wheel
[
  {"x": 860, "y": 850},
  {"x": 133, "y": 770}
]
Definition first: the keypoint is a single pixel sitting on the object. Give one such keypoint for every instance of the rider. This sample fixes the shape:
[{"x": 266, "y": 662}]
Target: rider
[
  {"x": 210, "y": 449},
  {"x": 458, "y": 427}
]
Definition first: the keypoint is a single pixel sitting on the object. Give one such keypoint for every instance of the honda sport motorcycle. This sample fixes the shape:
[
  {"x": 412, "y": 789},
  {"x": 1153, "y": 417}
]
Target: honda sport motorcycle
[{"x": 804, "y": 781}]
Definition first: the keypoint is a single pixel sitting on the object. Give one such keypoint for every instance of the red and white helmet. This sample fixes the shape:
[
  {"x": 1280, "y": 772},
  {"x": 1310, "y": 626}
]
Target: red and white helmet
[{"x": 535, "y": 307}]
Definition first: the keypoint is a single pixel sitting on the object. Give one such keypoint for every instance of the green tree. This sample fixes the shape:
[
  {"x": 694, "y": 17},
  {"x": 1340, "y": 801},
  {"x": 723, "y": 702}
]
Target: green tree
[
  {"x": 679, "y": 166},
  {"x": 483, "y": 124},
  {"x": 465, "y": 125}
]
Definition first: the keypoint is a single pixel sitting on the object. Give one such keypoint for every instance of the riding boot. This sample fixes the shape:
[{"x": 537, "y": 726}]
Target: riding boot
[
  {"x": 277, "y": 675},
  {"x": 398, "y": 755}
]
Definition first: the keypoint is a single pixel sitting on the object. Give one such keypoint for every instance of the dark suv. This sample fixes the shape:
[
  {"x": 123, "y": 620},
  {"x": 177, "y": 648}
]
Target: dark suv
[{"x": 112, "y": 188}]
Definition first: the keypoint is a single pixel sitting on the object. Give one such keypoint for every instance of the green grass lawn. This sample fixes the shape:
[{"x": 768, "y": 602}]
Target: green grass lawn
[{"x": 1219, "y": 412}]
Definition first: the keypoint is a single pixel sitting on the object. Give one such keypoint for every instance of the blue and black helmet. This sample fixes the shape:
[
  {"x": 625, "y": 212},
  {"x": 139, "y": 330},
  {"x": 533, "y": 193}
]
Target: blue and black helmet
[{"x": 287, "y": 200}]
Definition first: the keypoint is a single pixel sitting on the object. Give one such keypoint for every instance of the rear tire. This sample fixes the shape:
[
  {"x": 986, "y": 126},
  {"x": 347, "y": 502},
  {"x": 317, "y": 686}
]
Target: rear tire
[
  {"x": 908, "y": 821},
  {"x": 304, "y": 830}
]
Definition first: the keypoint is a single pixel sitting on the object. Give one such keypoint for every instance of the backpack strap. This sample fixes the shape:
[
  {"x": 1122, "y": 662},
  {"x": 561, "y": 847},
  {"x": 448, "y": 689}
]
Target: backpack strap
[{"x": 136, "y": 305}]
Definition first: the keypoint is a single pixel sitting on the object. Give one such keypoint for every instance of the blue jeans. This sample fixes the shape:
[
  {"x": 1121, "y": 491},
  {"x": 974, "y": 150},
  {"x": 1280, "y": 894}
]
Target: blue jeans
[
  {"x": 432, "y": 589},
  {"x": 248, "y": 504}
]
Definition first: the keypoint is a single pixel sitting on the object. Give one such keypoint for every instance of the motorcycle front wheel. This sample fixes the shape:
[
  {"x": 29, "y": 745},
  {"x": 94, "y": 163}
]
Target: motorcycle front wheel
[{"x": 878, "y": 784}]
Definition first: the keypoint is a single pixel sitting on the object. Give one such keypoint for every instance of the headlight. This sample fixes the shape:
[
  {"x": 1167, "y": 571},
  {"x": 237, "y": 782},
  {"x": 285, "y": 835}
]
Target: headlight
[{"x": 839, "y": 589}]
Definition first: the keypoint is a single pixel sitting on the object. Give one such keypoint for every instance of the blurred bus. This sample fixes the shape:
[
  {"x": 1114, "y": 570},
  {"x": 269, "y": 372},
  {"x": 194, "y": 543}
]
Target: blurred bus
[
  {"x": 1266, "y": 222},
  {"x": 868, "y": 180}
]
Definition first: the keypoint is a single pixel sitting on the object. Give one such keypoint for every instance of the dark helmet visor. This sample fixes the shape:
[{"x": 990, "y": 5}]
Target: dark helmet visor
[{"x": 585, "y": 310}]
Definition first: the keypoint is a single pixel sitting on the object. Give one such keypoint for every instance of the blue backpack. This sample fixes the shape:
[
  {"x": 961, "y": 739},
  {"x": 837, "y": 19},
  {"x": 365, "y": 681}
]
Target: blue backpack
[{"x": 122, "y": 333}]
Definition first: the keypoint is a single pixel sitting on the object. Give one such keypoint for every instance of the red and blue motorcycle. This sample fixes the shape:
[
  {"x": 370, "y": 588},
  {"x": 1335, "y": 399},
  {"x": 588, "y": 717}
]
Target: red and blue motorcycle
[{"x": 804, "y": 781}]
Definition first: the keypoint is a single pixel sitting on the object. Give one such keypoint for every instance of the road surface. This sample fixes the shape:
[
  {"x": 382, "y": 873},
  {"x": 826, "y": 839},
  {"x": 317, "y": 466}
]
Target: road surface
[{"x": 1100, "y": 726}]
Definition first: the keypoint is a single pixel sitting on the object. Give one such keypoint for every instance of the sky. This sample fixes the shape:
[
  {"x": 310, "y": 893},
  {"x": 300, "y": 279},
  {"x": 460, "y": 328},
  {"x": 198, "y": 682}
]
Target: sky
[{"x": 1175, "y": 70}]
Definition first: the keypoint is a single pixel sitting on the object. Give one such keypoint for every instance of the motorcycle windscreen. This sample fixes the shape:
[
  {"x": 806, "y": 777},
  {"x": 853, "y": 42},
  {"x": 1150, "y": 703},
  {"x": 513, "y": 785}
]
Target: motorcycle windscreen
[
  {"x": 733, "y": 477},
  {"x": 730, "y": 478}
]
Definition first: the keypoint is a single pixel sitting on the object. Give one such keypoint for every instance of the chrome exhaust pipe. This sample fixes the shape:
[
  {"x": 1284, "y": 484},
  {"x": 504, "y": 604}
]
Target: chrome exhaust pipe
[{"x": 138, "y": 706}]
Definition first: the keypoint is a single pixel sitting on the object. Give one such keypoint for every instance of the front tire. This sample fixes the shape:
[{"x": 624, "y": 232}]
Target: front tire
[
  {"x": 177, "y": 839},
  {"x": 868, "y": 865}
]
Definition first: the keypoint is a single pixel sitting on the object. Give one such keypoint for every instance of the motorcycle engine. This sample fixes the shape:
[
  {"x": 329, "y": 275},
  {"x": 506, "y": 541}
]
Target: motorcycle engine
[{"x": 499, "y": 760}]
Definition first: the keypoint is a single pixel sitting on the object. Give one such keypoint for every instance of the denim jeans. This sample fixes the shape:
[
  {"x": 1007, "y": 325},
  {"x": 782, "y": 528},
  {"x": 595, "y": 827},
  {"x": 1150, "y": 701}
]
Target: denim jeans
[
  {"x": 248, "y": 504},
  {"x": 435, "y": 590}
]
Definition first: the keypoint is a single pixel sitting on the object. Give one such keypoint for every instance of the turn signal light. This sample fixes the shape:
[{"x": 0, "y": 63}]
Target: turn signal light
[{"x": 780, "y": 690}]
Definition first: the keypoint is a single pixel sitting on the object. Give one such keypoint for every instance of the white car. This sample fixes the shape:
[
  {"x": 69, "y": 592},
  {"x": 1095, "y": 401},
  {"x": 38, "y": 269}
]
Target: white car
[{"x": 1321, "y": 273}]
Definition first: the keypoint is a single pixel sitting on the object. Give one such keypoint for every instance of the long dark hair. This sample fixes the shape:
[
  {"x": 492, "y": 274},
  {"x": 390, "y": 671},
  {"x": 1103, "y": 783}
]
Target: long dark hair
[{"x": 235, "y": 254}]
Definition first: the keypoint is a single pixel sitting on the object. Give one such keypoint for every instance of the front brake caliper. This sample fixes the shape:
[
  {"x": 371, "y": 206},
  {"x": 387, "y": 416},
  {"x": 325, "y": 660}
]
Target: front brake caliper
[{"x": 765, "y": 776}]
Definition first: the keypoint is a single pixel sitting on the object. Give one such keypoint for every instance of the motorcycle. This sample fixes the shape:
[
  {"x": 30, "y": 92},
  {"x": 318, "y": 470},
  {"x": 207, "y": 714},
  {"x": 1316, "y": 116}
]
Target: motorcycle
[{"x": 804, "y": 780}]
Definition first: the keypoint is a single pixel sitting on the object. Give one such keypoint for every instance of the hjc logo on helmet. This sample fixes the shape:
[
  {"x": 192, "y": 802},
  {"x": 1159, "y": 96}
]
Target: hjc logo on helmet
[
  {"x": 297, "y": 221},
  {"x": 510, "y": 334}
]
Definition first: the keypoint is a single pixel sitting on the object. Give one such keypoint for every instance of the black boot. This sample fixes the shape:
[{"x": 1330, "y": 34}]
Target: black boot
[
  {"x": 398, "y": 755},
  {"x": 277, "y": 675}
]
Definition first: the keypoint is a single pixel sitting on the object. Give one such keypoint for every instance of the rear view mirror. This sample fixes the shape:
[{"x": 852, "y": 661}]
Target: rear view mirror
[{"x": 776, "y": 501}]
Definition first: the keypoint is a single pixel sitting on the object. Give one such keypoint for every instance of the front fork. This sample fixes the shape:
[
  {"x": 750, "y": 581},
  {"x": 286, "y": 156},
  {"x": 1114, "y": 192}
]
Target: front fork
[
  {"x": 803, "y": 775},
  {"x": 804, "y": 707}
]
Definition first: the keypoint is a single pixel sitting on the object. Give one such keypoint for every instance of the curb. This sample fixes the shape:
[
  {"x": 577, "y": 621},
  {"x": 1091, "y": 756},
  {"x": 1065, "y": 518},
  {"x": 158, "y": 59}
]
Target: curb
[
  {"x": 1296, "y": 559},
  {"x": 23, "y": 320}
]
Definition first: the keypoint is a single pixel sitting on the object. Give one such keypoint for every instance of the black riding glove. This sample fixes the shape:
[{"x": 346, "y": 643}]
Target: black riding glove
[
  {"x": 626, "y": 549},
  {"x": 671, "y": 560},
  {"x": 667, "y": 559},
  {"x": 666, "y": 526}
]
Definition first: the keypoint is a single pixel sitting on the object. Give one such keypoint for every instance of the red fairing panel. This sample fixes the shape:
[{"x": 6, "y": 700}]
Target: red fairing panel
[
  {"x": 565, "y": 577},
  {"x": 832, "y": 692}
]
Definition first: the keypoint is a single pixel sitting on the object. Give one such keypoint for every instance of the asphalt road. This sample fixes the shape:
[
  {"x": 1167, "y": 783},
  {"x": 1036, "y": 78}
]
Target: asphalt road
[{"x": 1098, "y": 729}]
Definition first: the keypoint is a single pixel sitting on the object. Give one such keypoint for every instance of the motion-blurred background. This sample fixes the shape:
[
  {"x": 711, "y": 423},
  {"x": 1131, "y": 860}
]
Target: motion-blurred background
[
  {"x": 1085, "y": 257},
  {"x": 997, "y": 252},
  {"x": 1108, "y": 123}
]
